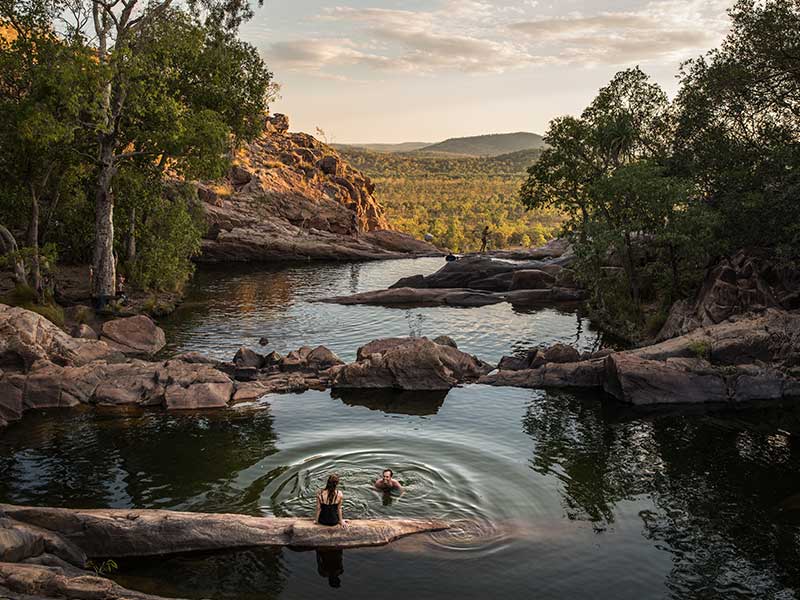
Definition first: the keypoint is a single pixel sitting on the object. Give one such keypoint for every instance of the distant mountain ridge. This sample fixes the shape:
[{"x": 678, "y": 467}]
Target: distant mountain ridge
[{"x": 493, "y": 144}]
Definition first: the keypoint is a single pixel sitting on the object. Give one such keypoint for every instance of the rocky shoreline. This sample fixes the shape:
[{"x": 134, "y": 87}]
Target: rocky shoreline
[{"x": 45, "y": 552}]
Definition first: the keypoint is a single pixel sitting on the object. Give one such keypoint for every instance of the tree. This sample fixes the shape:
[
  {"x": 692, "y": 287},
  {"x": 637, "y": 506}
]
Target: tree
[
  {"x": 45, "y": 95},
  {"x": 738, "y": 132},
  {"x": 177, "y": 88}
]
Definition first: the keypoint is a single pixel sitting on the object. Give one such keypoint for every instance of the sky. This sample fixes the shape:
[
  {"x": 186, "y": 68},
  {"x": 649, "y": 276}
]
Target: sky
[{"x": 427, "y": 70}]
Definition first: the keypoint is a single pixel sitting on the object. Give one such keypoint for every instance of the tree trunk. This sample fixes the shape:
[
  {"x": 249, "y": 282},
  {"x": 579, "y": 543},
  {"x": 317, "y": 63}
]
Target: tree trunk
[
  {"x": 33, "y": 244},
  {"x": 130, "y": 249},
  {"x": 105, "y": 276},
  {"x": 8, "y": 245}
]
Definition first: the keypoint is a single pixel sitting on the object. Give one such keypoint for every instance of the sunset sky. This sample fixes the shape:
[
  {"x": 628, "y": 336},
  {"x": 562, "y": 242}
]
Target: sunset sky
[{"x": 426, "y": 70}]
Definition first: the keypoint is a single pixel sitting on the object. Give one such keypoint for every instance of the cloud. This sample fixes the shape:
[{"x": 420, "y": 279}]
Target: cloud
[
  {"x": 666, "y": 29},
  {"x": 477, "y": 36}
]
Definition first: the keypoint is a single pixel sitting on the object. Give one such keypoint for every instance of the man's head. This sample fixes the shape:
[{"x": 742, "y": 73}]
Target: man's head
[{"x": 387, "y": 475}]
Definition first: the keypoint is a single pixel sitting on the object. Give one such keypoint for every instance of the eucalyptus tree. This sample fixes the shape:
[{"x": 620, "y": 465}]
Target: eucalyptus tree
[{"x": 177, "y": 88}]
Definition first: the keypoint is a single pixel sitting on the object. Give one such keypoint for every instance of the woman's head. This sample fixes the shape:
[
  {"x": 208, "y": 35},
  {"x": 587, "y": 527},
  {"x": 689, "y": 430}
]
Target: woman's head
[{"x": 330, "y": 486}]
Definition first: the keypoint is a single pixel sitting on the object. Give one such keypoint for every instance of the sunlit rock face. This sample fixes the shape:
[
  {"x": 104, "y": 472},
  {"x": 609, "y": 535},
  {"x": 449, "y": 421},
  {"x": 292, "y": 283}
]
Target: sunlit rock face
[{"x": 288, "y": 195}]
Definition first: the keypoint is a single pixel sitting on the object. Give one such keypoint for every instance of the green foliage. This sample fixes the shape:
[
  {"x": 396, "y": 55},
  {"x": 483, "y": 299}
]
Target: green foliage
[
  {"x": 25, "y": 297},
  {"x": 107, "y": 566},
  {"x": 453, "y": 198},
  {"x": 701, "y": 349}
]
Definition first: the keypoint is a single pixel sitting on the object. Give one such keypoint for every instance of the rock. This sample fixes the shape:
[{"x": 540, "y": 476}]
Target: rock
[
  {"x": 635, "y": 380},
  {"x": 495, "y": 283},
  {"x": 194, "y": 386},
  {"x": 10, "y": 401},
  {"x": 739, "y": 284},
  {"x": 445, "y": 340},
  {"x": 470, "y": 299},
  {"x": 137, "y": 335},
  {"x": 245, "y": 357},
  {"x": 584, "y": 374},
  {"x": 331, "y": 165},
  {"x": 195, "y": 358},
  {"x": 83, "y": 331},
  {"x": 535, "y": 357},
  {"x": 123, "y": 533},
  {"x": 532, "y": 279},
  {"x": 26, "y": 337},
  {"x": 279, "y": 122},
  {"x": 245, "y": 374},
  {"x": 293, "y": 362},
  {"x": 512, "y": 363},
  {"x": 409, "y": 364},
  {"x": 272, "y": 359},
  {"x": 263, "y": 341},
  {"x": 561, "y": 353},
  {"x": 320, "y": 358}
]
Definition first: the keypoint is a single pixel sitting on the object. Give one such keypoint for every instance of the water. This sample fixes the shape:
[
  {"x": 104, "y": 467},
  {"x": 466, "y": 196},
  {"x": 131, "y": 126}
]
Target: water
[{"x": 555, "y": 495}]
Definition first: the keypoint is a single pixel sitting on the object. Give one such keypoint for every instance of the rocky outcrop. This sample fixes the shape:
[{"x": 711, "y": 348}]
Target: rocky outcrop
[
  {"x": 482, "y": 279},
  {"x": 289, "y": 195},
  {"x": 741, "y": 360},
  {"x": 745, "y": 282},
  {"x": 44, "y": 551},
  {"x": 409, "y": 364}
]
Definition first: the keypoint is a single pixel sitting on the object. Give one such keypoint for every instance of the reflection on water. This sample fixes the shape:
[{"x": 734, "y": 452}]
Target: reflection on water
[
  {"x": 229, "y": 307},
  {"x": 549, "y": 492},
  {"x": 551, "y": 495}
]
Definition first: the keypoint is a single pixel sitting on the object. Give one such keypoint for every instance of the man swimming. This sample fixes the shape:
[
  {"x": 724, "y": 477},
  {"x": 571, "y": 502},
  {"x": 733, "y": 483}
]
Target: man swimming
[{"x": 387, "y": 482}]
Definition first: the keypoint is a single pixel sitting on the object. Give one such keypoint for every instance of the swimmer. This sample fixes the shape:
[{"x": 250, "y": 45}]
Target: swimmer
[{"x": 387, "y": 482}]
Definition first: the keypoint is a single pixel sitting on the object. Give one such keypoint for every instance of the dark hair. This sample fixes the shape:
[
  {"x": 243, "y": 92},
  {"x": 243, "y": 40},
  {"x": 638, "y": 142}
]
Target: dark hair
[
  {"x": 330, "y": 487},
  {"x": 391, "y": 473}
]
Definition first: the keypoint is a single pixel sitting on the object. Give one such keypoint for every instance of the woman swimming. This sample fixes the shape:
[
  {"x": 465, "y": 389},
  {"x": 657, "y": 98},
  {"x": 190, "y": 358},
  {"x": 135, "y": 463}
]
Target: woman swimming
[{"x": 329, "y": 504}]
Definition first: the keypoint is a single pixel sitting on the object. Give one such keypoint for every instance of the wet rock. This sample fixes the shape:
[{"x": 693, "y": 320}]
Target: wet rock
[
  {"x": 137, "y": 335},
  {"x": 512, "y": 363},
  {"x": 445, "y": 340},
  {"x": 640, "y": 381},
  {"x": 293, "y": 362},
  {"x": 561, "y": 353},
  {"x": 582, "y": 374},
  {"x": 245, "y": 357},
  {"x": 10, "y": 401},
  {"x": 245, "y": 374},
  {"x": 195, "y": 358},
  {"x": 320, "y": 358},
  {"x": 272, "y": 359},
  {"x": 467, "y": 299},
  {"x": 409, "y": 364}
]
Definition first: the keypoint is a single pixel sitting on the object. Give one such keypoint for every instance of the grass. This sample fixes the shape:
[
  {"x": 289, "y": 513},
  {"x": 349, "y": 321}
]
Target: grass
[{"x": 701, "y": 349}]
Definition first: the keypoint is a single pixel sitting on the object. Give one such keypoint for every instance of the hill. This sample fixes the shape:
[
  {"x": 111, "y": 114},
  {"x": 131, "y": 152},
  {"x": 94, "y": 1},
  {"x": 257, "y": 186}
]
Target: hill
[
  {"x": 488, "y": 145},
  {"x": 452, "y": 197},
  {"x": 390, "y": 148}
]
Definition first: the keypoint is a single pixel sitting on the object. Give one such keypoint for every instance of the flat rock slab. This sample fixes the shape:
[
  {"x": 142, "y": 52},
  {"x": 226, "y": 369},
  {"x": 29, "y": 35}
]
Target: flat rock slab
[{"x": 122, "y": 533}]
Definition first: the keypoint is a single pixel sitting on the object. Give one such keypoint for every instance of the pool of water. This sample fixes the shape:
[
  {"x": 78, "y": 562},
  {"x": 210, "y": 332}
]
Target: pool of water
[{"x": 553, "y": 495}]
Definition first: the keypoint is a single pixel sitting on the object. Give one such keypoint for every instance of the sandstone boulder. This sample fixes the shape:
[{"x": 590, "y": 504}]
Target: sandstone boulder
[
  {"x": 561, "y": 353},
  {"x": 445, "y": 340},
  {"x": 409, "y": 364},
  {"x": 532, "y": 279},
  {"x": 137, "y": 335},
  {"x": 320, "y": 358}
]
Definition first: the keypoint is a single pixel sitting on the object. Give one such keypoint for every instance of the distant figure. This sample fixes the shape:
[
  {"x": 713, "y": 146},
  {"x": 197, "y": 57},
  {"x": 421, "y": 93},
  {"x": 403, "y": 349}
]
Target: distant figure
[
  {"x": 484, "y": 239},
  {"x": 451, "y": 257},
  {"x": 122, "y": 298},
  {"x": 329, "y": 504},
  {"x": 387, "y": 482}
]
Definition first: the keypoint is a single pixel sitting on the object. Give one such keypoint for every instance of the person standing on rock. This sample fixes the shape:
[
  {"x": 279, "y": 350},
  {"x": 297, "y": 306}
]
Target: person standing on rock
[
  {"x": 484, "y": 239},
  {"x": 329, "y": 504}
]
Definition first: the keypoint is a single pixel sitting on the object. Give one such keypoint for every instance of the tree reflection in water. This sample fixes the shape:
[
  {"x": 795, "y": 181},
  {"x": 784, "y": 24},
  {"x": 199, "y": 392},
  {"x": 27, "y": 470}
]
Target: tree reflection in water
[{"x": 723, "y": 485}]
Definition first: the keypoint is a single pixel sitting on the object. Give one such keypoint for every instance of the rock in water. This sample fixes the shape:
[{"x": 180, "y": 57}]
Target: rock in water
[{"x": 409, "y": 364}]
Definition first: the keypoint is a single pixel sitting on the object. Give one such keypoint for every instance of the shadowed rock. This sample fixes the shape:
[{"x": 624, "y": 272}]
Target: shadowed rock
[{"x": 137, "y": 335}]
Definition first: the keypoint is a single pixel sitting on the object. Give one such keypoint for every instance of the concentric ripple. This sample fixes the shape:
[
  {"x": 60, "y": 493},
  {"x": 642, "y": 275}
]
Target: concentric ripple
[{"x": 441, "y": 480}]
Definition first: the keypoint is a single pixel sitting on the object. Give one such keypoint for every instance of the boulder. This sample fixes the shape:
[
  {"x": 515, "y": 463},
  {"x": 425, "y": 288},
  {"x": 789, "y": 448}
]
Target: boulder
[
  {"x": 561, "y": 353},
  {"x": 409, "y": 364},
  {"x": 279, "y": 122},
  {"x": 194, "y": 386},
  {"x": 137, "y": 335},
  {"x": 577, "y": 375},
  {"x": 320, "y": 358},
  {"x": 26, "y": 337},
  {"x": 512, "y": 363},
  {"x": 293, "y": 362},
  {"x": 532, "y": 279},
  {"x": 245, "y": 357},
  {"x": 640, "y": 381}
]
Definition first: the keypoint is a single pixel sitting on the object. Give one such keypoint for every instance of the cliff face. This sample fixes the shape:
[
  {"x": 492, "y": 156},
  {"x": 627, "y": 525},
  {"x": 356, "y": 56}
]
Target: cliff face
[{"x": 288, "y": 196}]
